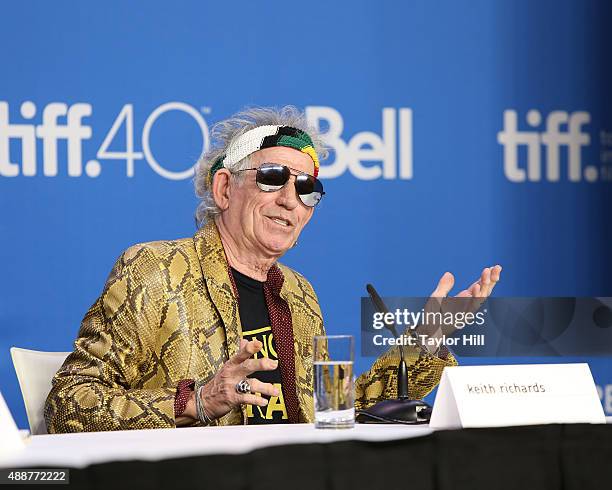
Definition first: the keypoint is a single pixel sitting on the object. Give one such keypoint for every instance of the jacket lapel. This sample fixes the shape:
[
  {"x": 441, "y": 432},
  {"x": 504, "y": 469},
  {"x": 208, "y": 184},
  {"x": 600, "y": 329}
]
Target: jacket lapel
[
  {"x": 215, "y": 271},
  {"x": 216, "y": 276},
  {"x": 302, "y": 337}
]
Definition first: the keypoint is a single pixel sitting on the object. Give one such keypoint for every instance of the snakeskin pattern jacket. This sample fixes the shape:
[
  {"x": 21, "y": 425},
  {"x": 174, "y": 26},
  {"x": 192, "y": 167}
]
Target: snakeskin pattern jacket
[{"x": 168, "y": 312}]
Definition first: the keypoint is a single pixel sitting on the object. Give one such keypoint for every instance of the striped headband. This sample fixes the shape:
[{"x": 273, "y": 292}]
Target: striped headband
[{"x": 266, "y": 137}]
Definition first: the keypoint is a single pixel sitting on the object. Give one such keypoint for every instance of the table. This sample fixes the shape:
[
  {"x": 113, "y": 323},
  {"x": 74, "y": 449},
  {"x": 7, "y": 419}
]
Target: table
[
  {"x": 301, "y": 457},
  {"x": 85, "y": 448}
]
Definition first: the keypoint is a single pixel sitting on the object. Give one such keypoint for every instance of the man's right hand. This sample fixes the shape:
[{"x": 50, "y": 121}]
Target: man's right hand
[{"x": 219, "y": 395}]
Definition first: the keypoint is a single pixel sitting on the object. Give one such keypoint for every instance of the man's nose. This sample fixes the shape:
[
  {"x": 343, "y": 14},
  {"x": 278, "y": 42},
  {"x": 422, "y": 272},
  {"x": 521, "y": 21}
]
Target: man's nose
[{"x": 287, "y": 196}]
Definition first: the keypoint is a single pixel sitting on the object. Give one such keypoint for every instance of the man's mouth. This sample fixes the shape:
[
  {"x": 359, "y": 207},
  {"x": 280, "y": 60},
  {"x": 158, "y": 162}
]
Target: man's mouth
[{"x": 280, "y": 221}]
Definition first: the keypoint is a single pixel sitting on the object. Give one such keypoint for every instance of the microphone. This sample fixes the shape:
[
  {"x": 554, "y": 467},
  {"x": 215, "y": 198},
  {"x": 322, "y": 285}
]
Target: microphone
[
  {"x": 402, "y": 368},
  {"x": 401, "y": 410}
]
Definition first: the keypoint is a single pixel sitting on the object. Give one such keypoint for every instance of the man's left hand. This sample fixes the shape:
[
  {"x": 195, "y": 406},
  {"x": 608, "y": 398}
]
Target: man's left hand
[{"x": 478, "y": 291}]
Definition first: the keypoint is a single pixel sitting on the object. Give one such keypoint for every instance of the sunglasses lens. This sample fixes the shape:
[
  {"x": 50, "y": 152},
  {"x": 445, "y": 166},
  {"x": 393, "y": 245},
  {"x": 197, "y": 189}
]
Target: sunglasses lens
[
  {"x": 309, "y": 190},
  {"x": 271, "y": 178}
]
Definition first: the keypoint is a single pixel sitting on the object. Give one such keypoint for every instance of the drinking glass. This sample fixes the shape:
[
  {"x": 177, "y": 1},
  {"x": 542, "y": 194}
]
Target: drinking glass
[{"x": 334, "y": 388}]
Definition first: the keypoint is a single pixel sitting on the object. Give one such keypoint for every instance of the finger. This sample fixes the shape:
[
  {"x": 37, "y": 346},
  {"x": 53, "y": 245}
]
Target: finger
[
  {"x": 495, "y": 276},
  {"x": 263, "y": 388},
  {"x": 474, "y": 291},
  {"x": 471, "y": 290},
  {"x": 484, "y": 282},
  {"x": 485, "y": 277},
  {"x": 252, "y": 400},
  {"x": 445, "y": 284},
  {"x": 247, "y": 349},
  {"x": 489, "y": 284},
  {"x": 496, "y": 273},
  {"x": 251, "y": 366}
]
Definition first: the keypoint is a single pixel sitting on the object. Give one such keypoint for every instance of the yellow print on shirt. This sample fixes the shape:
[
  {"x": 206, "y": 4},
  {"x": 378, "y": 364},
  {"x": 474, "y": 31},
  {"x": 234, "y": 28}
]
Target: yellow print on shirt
[
  {"x": 264, "y": 335},
  {"x": 276, "y": 404}
]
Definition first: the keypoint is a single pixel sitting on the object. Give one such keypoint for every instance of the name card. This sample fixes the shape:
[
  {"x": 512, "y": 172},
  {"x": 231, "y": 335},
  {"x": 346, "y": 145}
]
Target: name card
[
  {"x": 526, "y": 394},
  {"x": 10, "y": 439}
]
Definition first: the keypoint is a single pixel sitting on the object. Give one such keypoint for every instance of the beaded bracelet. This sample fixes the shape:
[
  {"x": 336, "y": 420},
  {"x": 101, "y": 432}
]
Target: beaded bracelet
[{"x": 202, "y": 415}]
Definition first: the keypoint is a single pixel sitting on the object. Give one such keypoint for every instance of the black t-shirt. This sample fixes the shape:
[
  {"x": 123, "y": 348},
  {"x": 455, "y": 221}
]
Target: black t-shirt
[{"x": 255, "y": 321}]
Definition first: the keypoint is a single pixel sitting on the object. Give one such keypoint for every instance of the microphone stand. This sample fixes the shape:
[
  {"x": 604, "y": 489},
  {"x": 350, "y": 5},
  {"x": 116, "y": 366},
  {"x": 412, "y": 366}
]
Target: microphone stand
[
  {"x": 402, "y": 368},
  {"x": 401, "y": 410}
]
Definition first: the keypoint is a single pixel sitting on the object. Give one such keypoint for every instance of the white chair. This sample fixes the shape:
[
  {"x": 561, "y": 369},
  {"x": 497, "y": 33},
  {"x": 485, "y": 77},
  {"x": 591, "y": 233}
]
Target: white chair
[{"x": 35, "y": 369}]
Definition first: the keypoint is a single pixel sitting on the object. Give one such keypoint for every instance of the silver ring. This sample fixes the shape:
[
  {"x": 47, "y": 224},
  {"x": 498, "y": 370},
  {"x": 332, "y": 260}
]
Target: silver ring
[{"x": 243, "y": 387}]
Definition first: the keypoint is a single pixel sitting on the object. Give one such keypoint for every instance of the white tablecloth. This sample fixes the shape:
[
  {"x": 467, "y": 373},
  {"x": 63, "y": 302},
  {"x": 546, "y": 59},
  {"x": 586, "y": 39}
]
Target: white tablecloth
[{"x": 82, "y": 449}]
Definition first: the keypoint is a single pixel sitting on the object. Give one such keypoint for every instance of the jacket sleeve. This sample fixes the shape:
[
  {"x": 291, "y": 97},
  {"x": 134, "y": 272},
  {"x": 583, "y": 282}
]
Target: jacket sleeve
[
  {"x": 99, "y": 386},
  {"x": 380, "y": 382}
]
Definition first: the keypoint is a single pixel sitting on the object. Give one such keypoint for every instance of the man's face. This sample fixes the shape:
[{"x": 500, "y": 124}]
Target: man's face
[{"x": 270, "y": 222}]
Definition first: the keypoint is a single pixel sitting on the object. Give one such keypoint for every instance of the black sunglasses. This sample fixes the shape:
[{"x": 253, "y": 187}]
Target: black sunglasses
[{"x": 272, "y": 177}]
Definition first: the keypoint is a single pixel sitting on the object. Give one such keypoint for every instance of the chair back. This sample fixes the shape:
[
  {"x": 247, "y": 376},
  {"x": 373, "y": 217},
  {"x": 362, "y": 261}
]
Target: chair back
[{"x": 35, "y": 369}]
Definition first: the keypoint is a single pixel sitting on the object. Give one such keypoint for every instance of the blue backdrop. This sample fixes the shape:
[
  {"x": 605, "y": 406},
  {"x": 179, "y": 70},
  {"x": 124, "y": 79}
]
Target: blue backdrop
[{"x": 465, "y": 134}]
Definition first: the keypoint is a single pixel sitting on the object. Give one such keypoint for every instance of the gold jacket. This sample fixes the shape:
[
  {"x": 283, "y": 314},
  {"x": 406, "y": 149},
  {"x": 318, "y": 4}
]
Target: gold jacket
[{"x": 168, "y": 312}]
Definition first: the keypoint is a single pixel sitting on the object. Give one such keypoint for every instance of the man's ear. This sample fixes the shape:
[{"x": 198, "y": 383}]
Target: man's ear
[{"x": 221, "y": 188}]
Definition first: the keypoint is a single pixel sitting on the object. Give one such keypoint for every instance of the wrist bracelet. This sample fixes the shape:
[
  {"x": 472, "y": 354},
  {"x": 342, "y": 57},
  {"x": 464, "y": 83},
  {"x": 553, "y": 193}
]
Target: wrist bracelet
[{"x": 202, "y": 415}]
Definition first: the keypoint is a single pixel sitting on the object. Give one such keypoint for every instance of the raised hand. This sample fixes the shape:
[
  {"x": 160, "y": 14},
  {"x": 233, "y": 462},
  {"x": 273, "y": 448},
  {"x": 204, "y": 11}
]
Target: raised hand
[
  {"x": 219, "y": 395},
  {"x": 475, "y": 295}
]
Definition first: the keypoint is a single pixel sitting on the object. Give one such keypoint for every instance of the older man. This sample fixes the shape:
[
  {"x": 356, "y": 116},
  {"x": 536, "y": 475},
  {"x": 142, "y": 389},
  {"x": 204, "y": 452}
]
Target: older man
[{"x": 212, "y": 330}]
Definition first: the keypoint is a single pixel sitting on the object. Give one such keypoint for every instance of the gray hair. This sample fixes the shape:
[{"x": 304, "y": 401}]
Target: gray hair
[{"x": 224, "y": 133}]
